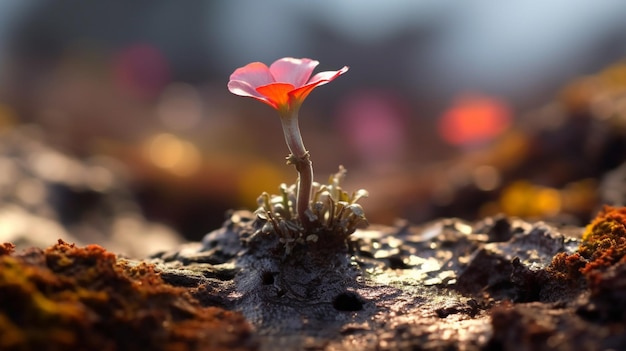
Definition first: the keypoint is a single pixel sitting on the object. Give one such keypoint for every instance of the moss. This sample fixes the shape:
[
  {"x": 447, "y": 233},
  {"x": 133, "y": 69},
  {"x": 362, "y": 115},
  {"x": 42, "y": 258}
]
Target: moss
[{"x": 71, "y": 298}]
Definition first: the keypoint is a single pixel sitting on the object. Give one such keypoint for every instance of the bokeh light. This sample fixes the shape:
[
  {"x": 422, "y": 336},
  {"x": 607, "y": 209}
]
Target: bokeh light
[
  {"x": 474, "y": 119},
  {"x": 447, "y": 110},
  {"x": 171, "y": 153}
]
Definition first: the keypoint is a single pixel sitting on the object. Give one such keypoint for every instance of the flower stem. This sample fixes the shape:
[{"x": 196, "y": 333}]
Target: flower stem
[{"x": 300, "y": 158}]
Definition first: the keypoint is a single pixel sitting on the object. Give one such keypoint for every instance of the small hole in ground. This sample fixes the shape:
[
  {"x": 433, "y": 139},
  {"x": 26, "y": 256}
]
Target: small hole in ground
[
  {"x": 348, "y": 301},
  {"x": 267, "y": 278}
]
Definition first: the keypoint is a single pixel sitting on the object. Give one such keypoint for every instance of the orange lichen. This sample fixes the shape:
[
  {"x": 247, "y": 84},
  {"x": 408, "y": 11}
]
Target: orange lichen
[
  {"x": 70, "y": 298},
  {"x": 604, "y": 240},
  {"x": 564, "y": 266},
  {"x": 603, "y": 245}
]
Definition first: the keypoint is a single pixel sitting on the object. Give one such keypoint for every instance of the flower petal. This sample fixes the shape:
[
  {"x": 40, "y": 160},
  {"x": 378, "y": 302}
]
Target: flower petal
[
  {"x": 328, "y": 76},
  {"x": 277, "y": 94},
  {"x": 241, "y": 88},
  {"x": 293, "y": 71},
  {"x": 256, "y": 74},
  {"x": 319, "y": 79}
]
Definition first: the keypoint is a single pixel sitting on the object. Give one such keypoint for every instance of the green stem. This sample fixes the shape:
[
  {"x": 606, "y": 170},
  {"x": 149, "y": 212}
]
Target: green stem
[{"x": 301, "y": 160}]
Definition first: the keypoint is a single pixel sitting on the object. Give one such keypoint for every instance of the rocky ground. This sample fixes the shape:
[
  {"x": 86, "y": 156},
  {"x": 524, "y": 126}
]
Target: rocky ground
[
  {"x": 496, "y": 284},
  {"x": 447, "y": 285}
]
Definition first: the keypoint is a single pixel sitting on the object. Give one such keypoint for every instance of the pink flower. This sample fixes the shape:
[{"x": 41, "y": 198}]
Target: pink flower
[{"x": 283, "y": 85}]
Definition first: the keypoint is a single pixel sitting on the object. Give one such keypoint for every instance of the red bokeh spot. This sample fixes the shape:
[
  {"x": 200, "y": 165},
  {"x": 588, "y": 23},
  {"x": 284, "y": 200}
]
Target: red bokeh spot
[{"x": 474, "y": 119}]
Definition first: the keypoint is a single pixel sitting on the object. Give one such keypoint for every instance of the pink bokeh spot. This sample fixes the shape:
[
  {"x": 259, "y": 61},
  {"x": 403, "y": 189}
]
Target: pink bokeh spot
[
  {"x": 283, "y": 85},
  {"x": 374, "y": 123},
  {"x": 141, "y": 70}
]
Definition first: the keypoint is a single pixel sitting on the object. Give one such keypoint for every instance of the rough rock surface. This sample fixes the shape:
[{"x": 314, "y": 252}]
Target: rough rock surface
[{"x": 446, "y": 285}]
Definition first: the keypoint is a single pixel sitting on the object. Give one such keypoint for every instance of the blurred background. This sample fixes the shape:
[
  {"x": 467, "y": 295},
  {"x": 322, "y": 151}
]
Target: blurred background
[{"x": 449, "y": 109}]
